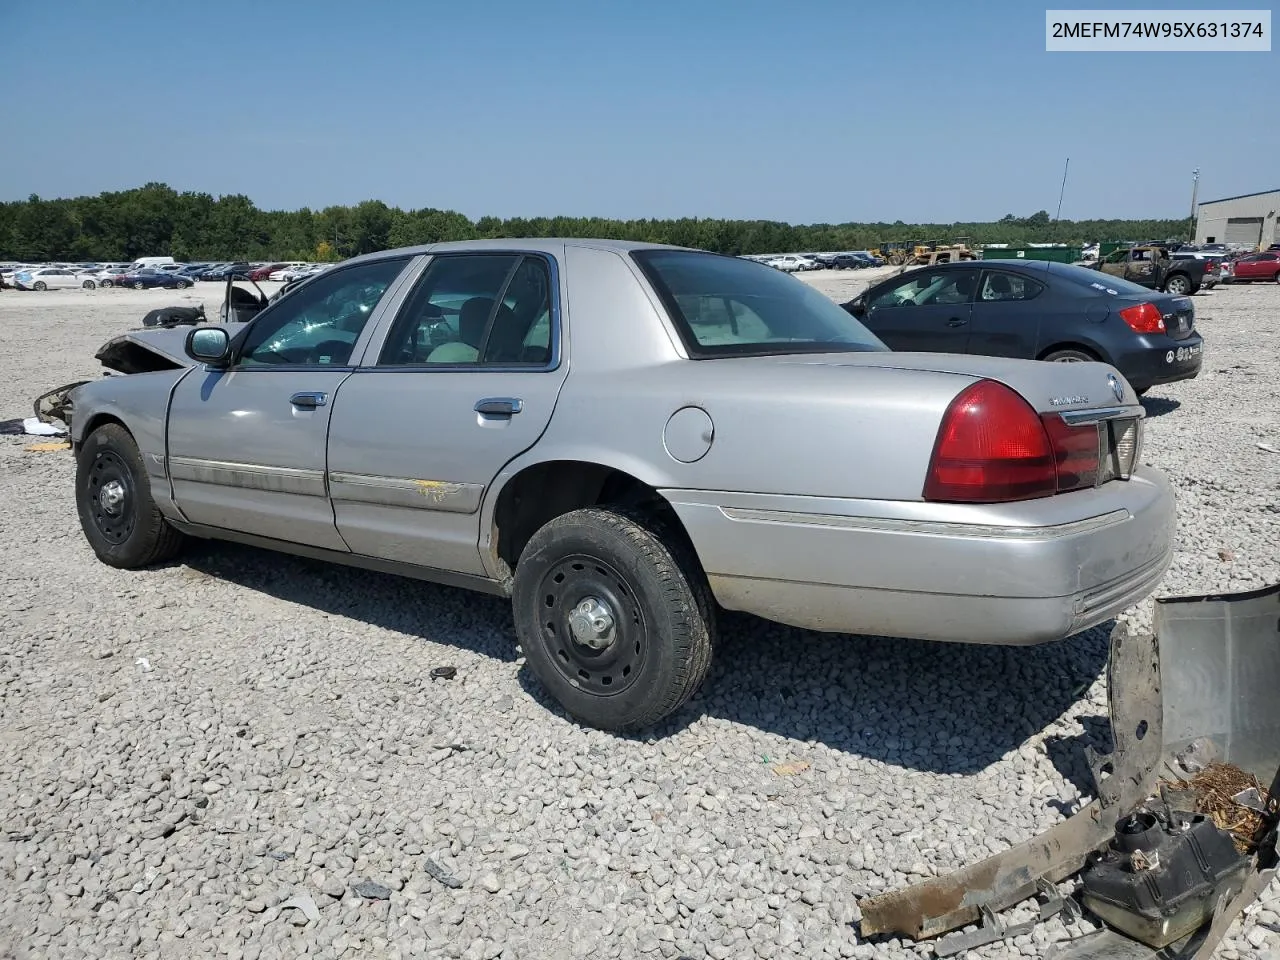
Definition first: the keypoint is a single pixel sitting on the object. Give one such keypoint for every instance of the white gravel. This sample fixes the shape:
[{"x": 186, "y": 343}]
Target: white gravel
[{"x": 244, "y": 755}]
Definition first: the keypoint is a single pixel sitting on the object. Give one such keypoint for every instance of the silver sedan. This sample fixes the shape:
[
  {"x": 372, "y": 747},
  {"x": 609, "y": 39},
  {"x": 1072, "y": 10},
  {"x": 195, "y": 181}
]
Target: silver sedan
[{"x": 625, "y": 439}]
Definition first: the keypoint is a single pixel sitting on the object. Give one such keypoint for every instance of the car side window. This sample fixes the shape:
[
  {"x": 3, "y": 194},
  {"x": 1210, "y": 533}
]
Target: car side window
[
  {"x": 998, "y": 286},
  {"x": 475, "y": 310},
  {"x": 929, "y": 287},
  {"x": 321, "y": 321}
]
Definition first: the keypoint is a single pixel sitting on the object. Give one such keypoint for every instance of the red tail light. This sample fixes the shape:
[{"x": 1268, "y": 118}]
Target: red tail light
[
  {"x": 1075, "y": 450},
  {"x": 1143, "y": 318},
  {"x": 991, "y": 447}
]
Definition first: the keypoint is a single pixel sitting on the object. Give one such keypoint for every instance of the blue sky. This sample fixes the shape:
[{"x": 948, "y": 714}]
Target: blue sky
[{"x": 794, "y": 110}]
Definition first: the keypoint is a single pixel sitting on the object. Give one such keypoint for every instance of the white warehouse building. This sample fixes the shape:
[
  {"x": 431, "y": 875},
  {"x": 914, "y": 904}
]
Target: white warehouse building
[{"x": 1244, "y": 221}]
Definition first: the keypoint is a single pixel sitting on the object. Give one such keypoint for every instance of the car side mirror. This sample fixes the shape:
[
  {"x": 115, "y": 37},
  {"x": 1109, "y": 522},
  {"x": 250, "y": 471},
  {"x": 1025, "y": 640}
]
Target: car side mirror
[
  {"x": 857, "y": 307},
  {"x": 209, "y": 345}
]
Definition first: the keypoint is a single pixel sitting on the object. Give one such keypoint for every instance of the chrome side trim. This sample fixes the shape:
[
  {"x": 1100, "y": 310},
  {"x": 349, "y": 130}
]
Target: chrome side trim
[
  {"x": 251, "y": 476},
  {"x": 1078, "y": 417},
  {"x": 406, "y": 492},
  {"x": 929, "y": 528}
]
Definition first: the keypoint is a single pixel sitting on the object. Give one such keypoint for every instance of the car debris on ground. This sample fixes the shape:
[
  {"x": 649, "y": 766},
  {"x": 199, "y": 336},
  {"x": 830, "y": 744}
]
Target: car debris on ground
[{"x": 1183, "y": 833}]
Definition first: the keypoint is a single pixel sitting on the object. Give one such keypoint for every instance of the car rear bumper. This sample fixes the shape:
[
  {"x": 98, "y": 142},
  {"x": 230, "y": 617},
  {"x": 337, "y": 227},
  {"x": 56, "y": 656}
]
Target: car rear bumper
[
  {"x": 1161, "y": 359},
  {"x": 1011, "y": 574}
]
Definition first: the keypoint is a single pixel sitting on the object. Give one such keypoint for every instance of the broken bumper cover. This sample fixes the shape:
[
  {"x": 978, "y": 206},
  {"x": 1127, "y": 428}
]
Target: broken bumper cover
[{"x": 1208, "y": 674}]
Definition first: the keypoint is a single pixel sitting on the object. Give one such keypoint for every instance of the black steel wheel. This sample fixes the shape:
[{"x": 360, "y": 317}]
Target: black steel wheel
[
  {"x": 112, "y": 497},
  {"x": 591, "y": 628},
  {"x": 614, "y": 617},
  {"x": 118, "y": 515}
]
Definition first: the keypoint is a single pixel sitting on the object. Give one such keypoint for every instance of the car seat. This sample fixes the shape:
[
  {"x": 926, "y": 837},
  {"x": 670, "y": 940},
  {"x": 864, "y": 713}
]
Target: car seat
[
  {"x": 998, "y": 288},
  {"x": 471, "y": 323}
]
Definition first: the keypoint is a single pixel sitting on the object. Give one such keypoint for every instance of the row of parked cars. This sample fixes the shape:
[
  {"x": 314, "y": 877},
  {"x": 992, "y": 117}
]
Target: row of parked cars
[
  {"x": 798, "y": 262},
  {"x": 146, "y": 273}
]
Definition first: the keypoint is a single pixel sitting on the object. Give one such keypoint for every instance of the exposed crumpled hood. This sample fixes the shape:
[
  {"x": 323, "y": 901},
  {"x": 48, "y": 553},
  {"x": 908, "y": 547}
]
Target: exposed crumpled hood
[{"x": 147, "y": 351}]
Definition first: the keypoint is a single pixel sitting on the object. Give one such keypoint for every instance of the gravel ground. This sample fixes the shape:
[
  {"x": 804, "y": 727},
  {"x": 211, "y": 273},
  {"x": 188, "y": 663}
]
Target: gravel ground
[{"x": 245, "y": 755}]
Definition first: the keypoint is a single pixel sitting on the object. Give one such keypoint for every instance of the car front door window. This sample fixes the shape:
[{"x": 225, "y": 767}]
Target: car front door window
[{"x": 320, "y": 323}]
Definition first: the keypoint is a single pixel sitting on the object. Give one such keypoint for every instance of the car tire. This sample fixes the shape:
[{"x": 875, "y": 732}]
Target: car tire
[
  {"x": 139, "y": 285},
  {"x": 39, "y": 285},
  {"x": 88, "y": 284},
  {"x": 119, "y": 516},
  {"x": 1069, "y": 355},
  {"x": 105, "y": 284},
  {"x": 182, "y": 284},
  {"x": 646, "y": 586},
  {"x": 1179, "y": 285}
]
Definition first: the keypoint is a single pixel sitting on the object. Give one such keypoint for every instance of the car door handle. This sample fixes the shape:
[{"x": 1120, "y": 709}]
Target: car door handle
[
  {"x": 499, "y": 406},
  {"x": 956, "y": 322},
  {"x": 309, "y": 400}
]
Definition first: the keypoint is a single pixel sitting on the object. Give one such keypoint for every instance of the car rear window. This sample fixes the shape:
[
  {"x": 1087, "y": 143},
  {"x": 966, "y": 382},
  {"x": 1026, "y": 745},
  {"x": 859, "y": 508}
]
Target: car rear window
[
  {"x": 727, "y": 306},
  {"x": 1086, "y": 280}
]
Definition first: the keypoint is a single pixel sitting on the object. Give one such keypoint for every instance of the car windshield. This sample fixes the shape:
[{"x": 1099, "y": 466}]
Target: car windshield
[
  {"x": 1097, "y": 280},
  {"x": 726, "y": 306}
]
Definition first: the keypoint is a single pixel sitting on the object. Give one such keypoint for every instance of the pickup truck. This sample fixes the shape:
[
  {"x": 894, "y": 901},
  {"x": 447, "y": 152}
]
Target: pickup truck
[{"x": 1151, "y": 266}]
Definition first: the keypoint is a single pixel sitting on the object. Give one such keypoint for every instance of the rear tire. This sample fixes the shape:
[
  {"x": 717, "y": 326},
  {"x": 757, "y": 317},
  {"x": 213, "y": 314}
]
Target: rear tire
[
  {"x": 1069, "y": 356},
  {"x": 88, "y": 284},
  {"x": 119, "y": 516},
  {"x": 1179, "y": 285},
  {"x": 642, "y": 645},
  {"x": 138, "y": 285},
  {"x": 182, "y": 284}
]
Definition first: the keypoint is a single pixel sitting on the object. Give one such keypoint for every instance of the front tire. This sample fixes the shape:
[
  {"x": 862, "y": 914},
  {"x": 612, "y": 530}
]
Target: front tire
[
  {"x": 39, "y": 285},
  {"x": 88, "y": 284},
  {"x": 119, "y": 516},
  {"x": 614, "y": 617},
  {"x": 138, "y": 285},
  {"x": 182, "y": 284}
]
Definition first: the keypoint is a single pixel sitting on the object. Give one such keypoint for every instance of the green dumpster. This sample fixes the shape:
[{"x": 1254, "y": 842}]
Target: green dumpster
[{"x": 1057, "y": 254}]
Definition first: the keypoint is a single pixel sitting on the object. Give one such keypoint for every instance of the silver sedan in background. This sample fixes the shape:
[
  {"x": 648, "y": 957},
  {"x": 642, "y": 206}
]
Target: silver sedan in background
[{"x": 624, "y": 439}]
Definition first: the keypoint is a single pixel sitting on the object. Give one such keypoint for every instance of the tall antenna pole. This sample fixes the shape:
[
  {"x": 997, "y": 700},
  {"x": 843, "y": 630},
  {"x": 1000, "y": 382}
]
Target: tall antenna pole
[
  {"x": 1064, "y": 188},
  {"x": 1195, "y": 186}
]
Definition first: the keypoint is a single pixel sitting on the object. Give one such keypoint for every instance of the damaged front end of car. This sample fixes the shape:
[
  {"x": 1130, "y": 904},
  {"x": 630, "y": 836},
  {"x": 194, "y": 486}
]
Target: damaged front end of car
[
  {"x": 160, "y": 348},
  {"x": 1183, "y": 833}
]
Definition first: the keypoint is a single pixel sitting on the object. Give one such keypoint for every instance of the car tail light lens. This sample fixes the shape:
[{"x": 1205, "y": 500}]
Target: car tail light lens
[
  {"x": 1143, "y": 318},
  {"x": 991, "y": 447},
  {"x": 1075, "y": 450}
]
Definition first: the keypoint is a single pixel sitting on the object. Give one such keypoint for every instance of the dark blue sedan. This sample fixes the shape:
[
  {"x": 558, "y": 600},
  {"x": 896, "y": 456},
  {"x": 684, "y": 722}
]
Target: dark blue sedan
[
  {"x": 1036, "y": 310},
  {"x": 146, "y": 278}
]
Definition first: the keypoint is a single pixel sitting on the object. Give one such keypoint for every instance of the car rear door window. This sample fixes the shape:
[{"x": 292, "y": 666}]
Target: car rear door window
[{"x": 480, "y": 310}]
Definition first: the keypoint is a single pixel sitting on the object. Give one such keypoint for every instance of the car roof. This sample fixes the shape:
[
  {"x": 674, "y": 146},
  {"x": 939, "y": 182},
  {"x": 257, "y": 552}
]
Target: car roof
[{"x": 532, "y": 244}]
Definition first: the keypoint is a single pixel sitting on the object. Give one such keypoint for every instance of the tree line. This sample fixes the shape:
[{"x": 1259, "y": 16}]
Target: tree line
[{"x": 156, "y": 220}]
